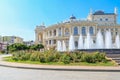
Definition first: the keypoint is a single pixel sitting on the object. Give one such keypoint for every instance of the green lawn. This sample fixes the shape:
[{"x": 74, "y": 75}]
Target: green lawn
[{"x": 109, "y": 63}]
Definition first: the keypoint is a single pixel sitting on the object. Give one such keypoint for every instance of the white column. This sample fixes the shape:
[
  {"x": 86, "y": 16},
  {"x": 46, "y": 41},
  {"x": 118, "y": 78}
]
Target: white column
[
  {"x": 36, "y": 36},
  {"x": 61, "y": 31},
  {"x": 57, "y": 32},
  {"x": 51, "y": 42},
  {"x": 52, "y": 33},
  {"x": 48, "y": 33}
]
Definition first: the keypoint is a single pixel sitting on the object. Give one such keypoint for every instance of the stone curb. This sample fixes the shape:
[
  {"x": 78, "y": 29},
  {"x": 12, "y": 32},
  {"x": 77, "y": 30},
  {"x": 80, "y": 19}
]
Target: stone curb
[{"x": 62, "y": 69}]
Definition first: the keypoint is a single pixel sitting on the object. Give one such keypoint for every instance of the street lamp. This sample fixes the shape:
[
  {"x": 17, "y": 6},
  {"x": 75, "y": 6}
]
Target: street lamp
[{"x": 7, "y": 48}]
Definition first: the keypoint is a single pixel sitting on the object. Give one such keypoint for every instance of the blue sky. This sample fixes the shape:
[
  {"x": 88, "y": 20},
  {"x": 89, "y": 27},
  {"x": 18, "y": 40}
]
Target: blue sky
[{"x": 20, "y": 17}]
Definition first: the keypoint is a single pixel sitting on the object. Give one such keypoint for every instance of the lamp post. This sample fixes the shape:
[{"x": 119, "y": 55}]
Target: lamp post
[{"x": 7, "y": 48}]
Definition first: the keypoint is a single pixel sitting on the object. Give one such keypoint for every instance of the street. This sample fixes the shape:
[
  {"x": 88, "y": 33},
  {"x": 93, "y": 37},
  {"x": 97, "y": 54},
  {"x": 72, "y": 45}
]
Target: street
[{"x": 7, "y": 73}]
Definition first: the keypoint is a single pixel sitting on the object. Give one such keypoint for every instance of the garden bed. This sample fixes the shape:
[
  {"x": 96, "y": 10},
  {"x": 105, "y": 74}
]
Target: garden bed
[{"x": 52, "y": 57}]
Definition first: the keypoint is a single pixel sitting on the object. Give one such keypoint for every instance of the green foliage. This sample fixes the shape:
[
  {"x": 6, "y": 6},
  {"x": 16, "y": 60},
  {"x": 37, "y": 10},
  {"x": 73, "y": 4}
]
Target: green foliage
[
  {"x": 2, "y": 51},
  {"x": 79, "y": 55},
  {"x": 93, "y": 57},
  {"x": 17, "y": 47},
  {"x": 34, "y": 57},
  {"x": 21, "y": 55},
  {"x": 66, "y": 59},
  {"x": 88, "y": 58},
  {"x": 73, "y": 57},
  {"x": 42, "y": 58},
  {"x": 36, "y": 47},
  {"x": 51, "y": 56},
  {"x": 54, "y": 56}
]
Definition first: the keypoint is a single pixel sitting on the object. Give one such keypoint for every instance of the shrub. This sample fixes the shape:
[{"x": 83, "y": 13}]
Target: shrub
[
  {"x": 34, "y": 56},
  {"x": 54, "y": 56},
  {"x": 100, "y": 57},
  {"x": 73, "y": 57},
  {"x": 66, "y": 59},
  {"x": 57, "y": 57},
  {"x": 42, "y": 58},
  {"x": 21, "y": 55},
  {"x": 88, "y": 58},
  {"x": 93, "y": 57},
  {"x": 2, "y": 51},
  {"x": 15, "y": 58},
  {"x": 79, "y": 55},
  {"x": 51, "y": 58}
]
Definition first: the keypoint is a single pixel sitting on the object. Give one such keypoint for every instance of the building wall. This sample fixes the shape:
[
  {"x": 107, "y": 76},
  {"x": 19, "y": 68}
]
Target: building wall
[
  {"x": 18, "y": 40},
  {"x": 12, "y": 39}
]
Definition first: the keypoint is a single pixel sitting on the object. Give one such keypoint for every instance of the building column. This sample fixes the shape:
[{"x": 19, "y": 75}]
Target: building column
[
  {"x": 61, "y": 31},
  {"x": 51, "y": 33},
  {"x": 57, "y": 32},
  {"x": 36, "y": 36},
  {"x": 71, "y": 31}
]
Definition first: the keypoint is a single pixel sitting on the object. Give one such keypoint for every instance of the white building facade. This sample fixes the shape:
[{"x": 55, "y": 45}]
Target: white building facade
[{"x": 95, "y": 21}]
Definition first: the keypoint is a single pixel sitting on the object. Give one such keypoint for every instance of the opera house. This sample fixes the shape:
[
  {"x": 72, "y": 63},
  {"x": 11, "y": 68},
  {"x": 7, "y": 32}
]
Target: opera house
[{"x": 95, "y": 21}]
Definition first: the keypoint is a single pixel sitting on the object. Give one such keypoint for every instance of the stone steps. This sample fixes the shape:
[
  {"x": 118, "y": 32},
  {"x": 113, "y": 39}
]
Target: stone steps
[{"x": 115, "y": 57}]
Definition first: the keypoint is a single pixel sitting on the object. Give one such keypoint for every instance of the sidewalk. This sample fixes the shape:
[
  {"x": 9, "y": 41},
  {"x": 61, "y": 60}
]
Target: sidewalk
[{"x": 56, "y": 67}]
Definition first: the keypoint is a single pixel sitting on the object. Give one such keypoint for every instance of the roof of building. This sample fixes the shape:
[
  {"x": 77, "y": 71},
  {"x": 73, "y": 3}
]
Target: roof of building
[
  {"x": 72, "y": 17},
  {"x": 102, "y": 13}
]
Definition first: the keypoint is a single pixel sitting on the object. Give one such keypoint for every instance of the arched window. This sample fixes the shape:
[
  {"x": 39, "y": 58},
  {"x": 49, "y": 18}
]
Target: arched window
[
  {"x": 66, "y": 32},
  {"x": 100, "y": 19},
  {"x": 75, "y": 30},
  {"x": 76, "y": 44},
  {"x": 50, "y": 33},
  {"x": 54, "y": 32},
  {"x": 106, "y": 19},
  {"x": 83, "y": 31},
  {"x": 91, "y": 31},
  {"x": 59, "y": 32}
]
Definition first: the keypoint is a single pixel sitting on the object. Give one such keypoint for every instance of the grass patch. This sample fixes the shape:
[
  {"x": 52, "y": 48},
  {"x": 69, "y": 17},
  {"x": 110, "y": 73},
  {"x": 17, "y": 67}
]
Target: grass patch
[{"x": 109, "y": 63}]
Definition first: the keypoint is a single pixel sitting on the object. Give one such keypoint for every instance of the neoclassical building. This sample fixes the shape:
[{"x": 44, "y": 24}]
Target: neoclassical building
[{"x": 95, "y": 21}]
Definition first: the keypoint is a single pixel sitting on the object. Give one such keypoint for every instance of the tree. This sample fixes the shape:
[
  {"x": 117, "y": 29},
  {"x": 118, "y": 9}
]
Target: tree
[
  {"x": 17, "y": 46},
  {"x": 36, "y": 47}
]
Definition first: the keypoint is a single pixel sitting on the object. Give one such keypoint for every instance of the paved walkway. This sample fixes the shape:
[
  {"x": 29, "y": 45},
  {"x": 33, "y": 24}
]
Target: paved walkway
[{"x": 56, "y": 67}]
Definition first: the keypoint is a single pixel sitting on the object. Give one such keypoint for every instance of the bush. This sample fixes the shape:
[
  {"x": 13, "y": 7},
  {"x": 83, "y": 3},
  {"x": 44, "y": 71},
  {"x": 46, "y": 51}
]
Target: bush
[
  {"x": 57, "y": 57},
  {"x": 93, "y": 57},
  {"x": 35, "y": 56},
  {"x": 42, "y": 58},
  {"x": 17, "y": 47},
  {"x": 15, "y": 58},
  {"x": 79, "y": 55},
  {"x": 88, "y": 58},
  {"x": 2, "y": 51},
  {"x": 21, "y": 55},
  {"x": 66, "y": 59},
  {"x": 54, "y": 56},
  {"x": 50, "y": 58},
  {"x": 73, "y": 57}
]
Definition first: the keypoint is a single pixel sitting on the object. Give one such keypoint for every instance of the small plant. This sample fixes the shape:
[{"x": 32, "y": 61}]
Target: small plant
[
  {"x": 54, "y": 56},
  {"x": 34, "y": 57},
  {"x": 2, "y": 51},
  {"x": 66, "y": 59},
  {"x": 42, "y": 58},
  {"x": 73, "y": 57}
]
